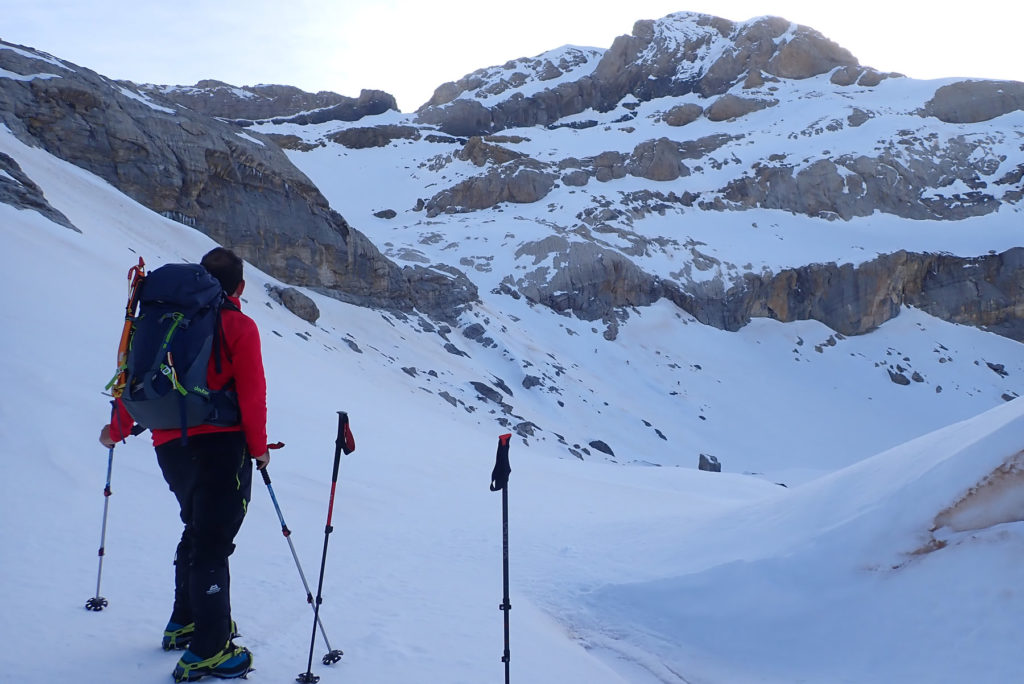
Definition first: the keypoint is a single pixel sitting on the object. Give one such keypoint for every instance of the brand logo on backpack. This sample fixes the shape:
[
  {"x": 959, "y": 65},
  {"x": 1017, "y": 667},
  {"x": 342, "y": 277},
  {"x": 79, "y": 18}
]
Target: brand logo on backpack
[{"x": 175, "y": 334}]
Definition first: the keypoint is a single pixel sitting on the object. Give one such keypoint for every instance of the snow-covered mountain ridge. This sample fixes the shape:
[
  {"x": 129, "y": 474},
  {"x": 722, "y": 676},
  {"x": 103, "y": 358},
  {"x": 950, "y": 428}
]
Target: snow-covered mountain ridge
[
  {"x": 762, "y": 114},
  {"x": 607, "y": 215}
]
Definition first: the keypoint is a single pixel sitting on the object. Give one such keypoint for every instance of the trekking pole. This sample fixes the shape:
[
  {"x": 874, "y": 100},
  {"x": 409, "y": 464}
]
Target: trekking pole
[
  {"x": 499, "y": 480},
  {"x": 332, "y": 655},
  {"x": 97, "y": 602},
  {"x": 346, "y": 443}
]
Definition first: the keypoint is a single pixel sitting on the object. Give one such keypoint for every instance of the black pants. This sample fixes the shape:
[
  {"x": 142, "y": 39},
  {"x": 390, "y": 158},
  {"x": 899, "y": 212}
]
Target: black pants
[{"x": 211, "y": 476}]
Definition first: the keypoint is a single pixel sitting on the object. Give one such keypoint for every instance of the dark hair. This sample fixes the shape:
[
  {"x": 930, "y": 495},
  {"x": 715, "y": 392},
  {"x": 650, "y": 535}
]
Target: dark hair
[{"x": 225, "y": 266}]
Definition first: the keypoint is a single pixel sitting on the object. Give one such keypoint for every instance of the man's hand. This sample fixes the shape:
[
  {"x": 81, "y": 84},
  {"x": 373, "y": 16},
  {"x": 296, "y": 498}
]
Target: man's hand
[
  {"x": 263, "y": 461},
  {"x": 105, "y": 437}
]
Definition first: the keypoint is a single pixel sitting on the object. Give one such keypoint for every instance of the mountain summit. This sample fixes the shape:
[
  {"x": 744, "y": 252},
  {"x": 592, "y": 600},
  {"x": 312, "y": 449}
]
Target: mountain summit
[{"x": 678, "y": 55}]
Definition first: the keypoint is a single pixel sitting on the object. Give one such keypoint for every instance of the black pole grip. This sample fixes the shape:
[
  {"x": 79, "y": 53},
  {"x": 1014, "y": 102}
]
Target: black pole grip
[
  {"x": 266, "y": 475},
  {"x": 344, "y": 442},
  {"x": 502, "y": 469},
  {"x": 339, "y": 443}
]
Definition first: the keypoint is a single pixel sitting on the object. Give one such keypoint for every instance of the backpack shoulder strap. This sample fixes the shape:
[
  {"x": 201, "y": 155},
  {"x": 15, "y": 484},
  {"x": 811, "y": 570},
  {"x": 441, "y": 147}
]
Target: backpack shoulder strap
[{"x": 218, "y": 333}]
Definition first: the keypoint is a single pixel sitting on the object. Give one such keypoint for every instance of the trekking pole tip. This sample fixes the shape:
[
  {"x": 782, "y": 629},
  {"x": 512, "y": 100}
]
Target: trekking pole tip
[{"x": 96, "y": 603}]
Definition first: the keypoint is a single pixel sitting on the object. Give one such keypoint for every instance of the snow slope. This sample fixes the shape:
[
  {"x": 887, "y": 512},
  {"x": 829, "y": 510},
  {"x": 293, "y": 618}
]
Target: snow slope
[{"x": 621, "y": 572}]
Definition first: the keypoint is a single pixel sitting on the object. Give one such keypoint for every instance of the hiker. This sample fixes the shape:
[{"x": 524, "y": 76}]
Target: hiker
[{"x": 209, "y": 471}]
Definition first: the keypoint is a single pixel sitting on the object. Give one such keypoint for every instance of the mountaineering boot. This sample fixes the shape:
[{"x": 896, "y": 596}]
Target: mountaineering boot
[
  {"x": 229, "y": 663},
  {"x": 178, "y": 637}
]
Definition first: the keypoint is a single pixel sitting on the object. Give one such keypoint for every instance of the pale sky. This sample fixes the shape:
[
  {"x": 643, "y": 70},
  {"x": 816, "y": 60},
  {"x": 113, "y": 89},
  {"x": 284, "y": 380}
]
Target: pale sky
[{"x": 409, "y": 47}]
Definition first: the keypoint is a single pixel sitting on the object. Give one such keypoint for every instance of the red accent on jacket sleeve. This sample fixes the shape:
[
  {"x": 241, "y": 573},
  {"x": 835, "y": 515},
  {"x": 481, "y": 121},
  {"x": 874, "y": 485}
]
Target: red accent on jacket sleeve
[{"x": 121, "y": 422}]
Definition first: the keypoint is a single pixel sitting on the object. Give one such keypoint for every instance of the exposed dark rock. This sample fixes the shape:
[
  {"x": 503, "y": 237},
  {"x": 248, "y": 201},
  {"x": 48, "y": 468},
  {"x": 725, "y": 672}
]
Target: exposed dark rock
[
  {"x": 520, "y": 182},
  {"x": 998, "y": 368},
  {"x": 460, "y": 118},
  {"x": 500, "y": 384},
  {"x": 847, "y": 75},
  {"x": 531, "y": 381},
  {"x": 588, "y": 280},
  {"x": 292, "y": 142},
  {"x": 479, "y": 152},
  {"x": 576, "y": 178},
  {"x": 488, "y": 392},
  {"x": 296, "y": 302},
  {"x": 512, "y": 74},
  {"x": 474, "y": 331},
  {"x": 899, "y": 378},
  {"x": 526, "y": 429},
  {"x": 732, "y": 106},
  {"x": 646, "y": 65},
  {"x": 709, "y": 463},
  {"x": 373, "y": 136},
  {"x": 452, "y": 349},
  {"x": 681, "y": 115},
  {"x": 871, "y": 78},
  {"x": 974, "y": 101},
  {"x": 657, "y": 160},
  {"x": 906, "y": 182},
  {"x": 598, "y": 445},
  {"x": 369, "y": 103},
  {"x": 215, "y": 98},
  {"x": 19, "y": 191},
  {"x": 859, "y": 117},
  {"x": 231, "y": 185},
  {"x": 986, "y": 291}
]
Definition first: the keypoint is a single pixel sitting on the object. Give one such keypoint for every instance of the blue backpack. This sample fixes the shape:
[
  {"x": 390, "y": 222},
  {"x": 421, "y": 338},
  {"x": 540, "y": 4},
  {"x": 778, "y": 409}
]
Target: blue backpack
[{"x": 176, "y": 331}]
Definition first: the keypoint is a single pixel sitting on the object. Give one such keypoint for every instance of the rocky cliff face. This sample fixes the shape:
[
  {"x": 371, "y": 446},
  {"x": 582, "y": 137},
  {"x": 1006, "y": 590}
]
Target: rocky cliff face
[
  {"x": 593, "y": 282},
  {"x": 681, "y": 54},
  {"x": 986, "y": 291},
  {"x": 20, "y": 192},
  {"x": 216, "y": 98},
  {"x": 693, "y": 160},
  {"x": 278, "y": 103},
  {"x": 692, "y": 117},
  {"x": 238, "y": 188}
]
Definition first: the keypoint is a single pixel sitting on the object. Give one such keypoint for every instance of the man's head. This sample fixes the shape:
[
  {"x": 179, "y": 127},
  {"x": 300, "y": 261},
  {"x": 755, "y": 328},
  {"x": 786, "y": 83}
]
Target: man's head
[{"x": 225, "y": 266}]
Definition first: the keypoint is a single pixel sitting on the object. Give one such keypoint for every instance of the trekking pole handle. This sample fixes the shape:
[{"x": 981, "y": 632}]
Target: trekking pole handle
[
  {"x": 345, "y": 442},
  {"x": 263, "y": 470}
]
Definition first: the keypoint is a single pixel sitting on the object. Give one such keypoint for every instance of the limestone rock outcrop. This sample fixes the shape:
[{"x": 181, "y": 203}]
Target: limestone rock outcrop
[
  {"x": 272, "y": 102},
  {"x": 233, "y": 185},
  {"x": 985, "y": 291},
  {"x": 650, "y": 63},
  {"x": 974, "y": 101},
  {"x": 21, "y": 192},
  {"x": 298, "y": 303}
]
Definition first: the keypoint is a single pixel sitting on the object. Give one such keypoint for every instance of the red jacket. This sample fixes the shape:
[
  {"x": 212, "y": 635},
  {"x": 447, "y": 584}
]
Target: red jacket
[{"x": 243, "y": 362}]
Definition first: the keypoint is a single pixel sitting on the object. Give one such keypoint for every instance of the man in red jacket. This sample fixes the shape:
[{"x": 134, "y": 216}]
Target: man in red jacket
[{"x": 211, "y": 477}]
